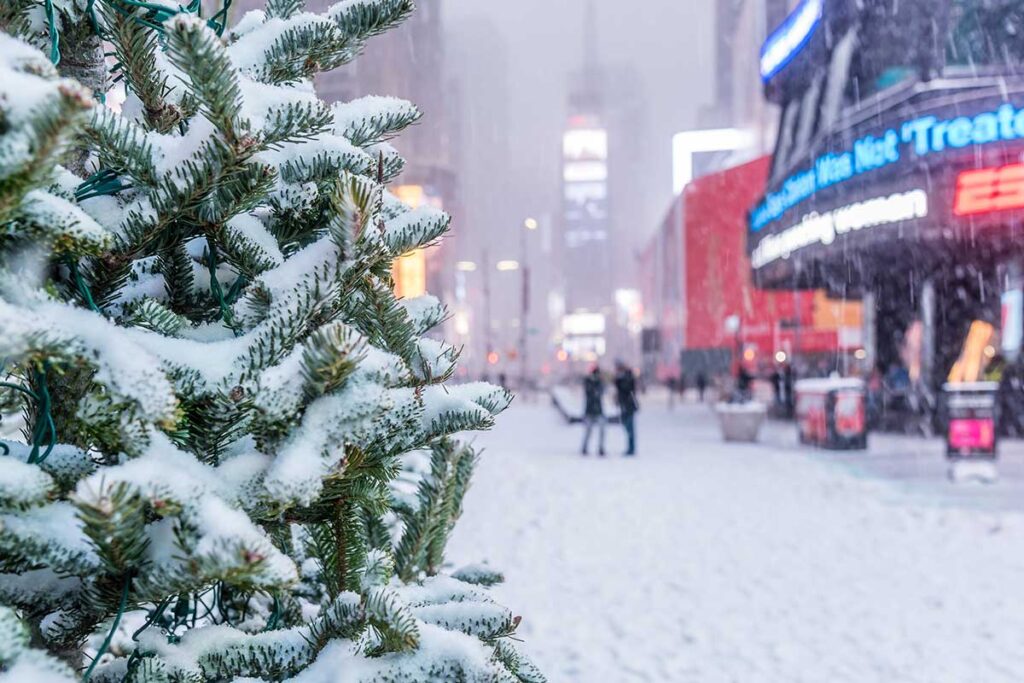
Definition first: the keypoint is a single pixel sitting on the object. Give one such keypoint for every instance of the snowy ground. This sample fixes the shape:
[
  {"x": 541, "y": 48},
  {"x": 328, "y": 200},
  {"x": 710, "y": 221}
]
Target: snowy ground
[{"x": 702, "y": 563}]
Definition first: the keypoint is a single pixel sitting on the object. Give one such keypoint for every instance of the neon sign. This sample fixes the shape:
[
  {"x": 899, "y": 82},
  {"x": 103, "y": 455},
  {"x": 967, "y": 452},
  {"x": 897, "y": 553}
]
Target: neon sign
[
  {"x": 989, "y": 189},
  {"x": 815, "y": 228},
  {"x": 924, "y": 135},
  {"x": 790, "y": 37}
]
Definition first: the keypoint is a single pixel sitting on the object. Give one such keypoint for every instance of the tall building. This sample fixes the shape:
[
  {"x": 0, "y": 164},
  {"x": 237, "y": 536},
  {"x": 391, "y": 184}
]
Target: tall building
[
  {"x": 896, "y": 175},
  {"x": 603, "y": 183},
  {"x": 682, "y": 264},
  {"x": 486, "y": 302}
]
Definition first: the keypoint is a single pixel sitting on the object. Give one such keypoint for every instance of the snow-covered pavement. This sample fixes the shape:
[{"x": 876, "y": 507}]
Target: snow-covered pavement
[{"x": 705, "y": 563}]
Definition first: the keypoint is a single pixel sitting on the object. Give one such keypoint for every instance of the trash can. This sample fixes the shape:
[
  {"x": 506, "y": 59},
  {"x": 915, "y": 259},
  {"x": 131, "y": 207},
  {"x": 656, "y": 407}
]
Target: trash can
[
  {"x": 971, "y": 420},
  {"x": 832, "y": 413}
]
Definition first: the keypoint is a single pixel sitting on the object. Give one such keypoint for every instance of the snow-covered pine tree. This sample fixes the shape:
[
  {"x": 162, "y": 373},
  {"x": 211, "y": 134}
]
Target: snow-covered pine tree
[{"x": 238, "y": 458}]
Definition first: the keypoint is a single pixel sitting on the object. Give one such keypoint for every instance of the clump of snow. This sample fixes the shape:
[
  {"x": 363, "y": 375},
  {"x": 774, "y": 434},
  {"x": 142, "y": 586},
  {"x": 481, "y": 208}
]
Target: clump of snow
[
  {"x": 22, "y": 484},
  {"x": 415, "y": 228},
  {"x": 55, "y": 531},
  {"x": 253, "y": 230},
  {"x": 64, "y": 218},
  {"x": 441, "y": 656},
  {"x": 248, "y": 52},
  {"x": 742, "y": 407},
  {"x": 125, "y": 368},
  {"x": 297, "y": 473},
  {"x": 372, "y": 119},
  {"x": 67, "y": 464}
]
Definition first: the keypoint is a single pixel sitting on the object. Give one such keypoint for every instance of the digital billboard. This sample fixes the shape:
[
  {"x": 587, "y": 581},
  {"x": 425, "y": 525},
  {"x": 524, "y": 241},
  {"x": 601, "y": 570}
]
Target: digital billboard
[{"x": 908, "y": 182}]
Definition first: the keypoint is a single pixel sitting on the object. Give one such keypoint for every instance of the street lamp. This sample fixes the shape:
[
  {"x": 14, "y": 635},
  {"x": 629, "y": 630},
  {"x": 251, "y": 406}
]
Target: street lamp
[{"x": 531, "y": 225}]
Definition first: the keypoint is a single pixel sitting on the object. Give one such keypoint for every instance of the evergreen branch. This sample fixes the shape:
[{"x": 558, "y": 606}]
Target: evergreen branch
[
  {"x": 121, "y": 145},
  {"x": 135, "y": 47},
  {"x": 150, "y": 314},
  {"x": 47, "y": 132},
  {"x": 304, "y": 50},
  {"x": 295, "y": 122},
  {"x": 283, "y": 9},
  {"x": 372, "y": 120},
  {"x": 197, "y": 51},
  {"x": 363, "y": 20},
  {"x": 14, "y": 18}
]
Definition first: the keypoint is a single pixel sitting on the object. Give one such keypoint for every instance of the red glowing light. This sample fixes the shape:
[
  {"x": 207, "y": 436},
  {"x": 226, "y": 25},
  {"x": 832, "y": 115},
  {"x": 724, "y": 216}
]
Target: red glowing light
[
  {"x": 989, "y": 189},
  {"x": 492, "y": 358}
]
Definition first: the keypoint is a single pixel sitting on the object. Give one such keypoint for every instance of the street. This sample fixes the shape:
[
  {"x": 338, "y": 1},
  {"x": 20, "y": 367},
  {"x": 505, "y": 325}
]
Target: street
[{"x": 768, "y": 563}]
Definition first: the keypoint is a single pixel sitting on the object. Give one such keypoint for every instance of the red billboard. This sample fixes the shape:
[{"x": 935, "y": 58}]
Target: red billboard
[{"x": 718, "y": 281}]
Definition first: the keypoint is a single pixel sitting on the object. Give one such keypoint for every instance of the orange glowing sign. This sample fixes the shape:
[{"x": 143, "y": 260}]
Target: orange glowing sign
[
  {"x": 410, "y": 274},
  {"x": 410, "y": 270},
  {"x": 989, "y": 189}
]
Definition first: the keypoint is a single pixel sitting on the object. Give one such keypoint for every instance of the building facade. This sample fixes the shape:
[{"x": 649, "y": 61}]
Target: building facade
[{"x": 895, "y": 174}]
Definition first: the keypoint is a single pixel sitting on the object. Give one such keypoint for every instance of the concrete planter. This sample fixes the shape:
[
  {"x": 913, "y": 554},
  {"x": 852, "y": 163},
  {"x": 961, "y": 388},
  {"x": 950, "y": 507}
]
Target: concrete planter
[{"x": 741, "y": 422}]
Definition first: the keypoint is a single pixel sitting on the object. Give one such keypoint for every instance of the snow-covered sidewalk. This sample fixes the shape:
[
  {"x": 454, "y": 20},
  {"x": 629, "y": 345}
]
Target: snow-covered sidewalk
[{"x": 705, "y": 563}]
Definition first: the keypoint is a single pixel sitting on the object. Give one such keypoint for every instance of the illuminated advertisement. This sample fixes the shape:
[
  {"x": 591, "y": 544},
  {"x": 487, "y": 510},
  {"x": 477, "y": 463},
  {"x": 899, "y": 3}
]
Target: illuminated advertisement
[
  {"x": 585, "y": 185},
  {"x": 792, "y": 36},
  {"x": 989, "y": 189},
  {"x": 916, "y": 138},
  {"x": 583, "y": 324},
  {"x": 823, "y": 228},
  {"x": 585, "y": 144}
]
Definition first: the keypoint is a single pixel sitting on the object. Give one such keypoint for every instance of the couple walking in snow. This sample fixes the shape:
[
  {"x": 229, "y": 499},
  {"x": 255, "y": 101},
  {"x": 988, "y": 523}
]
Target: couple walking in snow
[{"x": 593, "y": 410}]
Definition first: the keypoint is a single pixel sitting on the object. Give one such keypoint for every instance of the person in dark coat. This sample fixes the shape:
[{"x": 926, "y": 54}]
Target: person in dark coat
[
  {"x": 744, "y": 384},
  {"x": 788, "y": 389},
  {"x": 776, "y": 380},
  {"x": 593, "y": 410},
  {"x": 702, "y": 385},
  {"x": 625, "y": 396}
]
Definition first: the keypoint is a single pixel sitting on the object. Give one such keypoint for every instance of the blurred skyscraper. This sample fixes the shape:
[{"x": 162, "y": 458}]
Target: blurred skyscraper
[{"x": 604, "y": 186}]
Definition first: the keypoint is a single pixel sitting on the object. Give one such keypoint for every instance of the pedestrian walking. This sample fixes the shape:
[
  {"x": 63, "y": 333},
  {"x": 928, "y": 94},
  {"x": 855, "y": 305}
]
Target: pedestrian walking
[
  {"x": 593, "y": 410},
  {"x": 702, "y": 385},
  {"x": 776, "y": 379},
  {"x": 625, "y": 396},
  {"x": 789, "y": 388},
  {"x": 744, "y": 385}
]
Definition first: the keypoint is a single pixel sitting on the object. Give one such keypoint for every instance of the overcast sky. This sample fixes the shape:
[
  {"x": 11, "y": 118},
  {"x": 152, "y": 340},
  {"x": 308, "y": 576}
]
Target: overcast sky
[{"x": 668, "y": 42}]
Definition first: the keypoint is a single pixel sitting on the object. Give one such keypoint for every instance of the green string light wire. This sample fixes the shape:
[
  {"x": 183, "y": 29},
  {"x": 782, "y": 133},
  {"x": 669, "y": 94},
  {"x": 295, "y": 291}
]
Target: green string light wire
[
  {"x": 51, "y": 21},
  {"x": 44, "y": 429},
  {"x": 218, "y": 292},
  {"x": 275, "y": 617},
  {"x": 153, "y": 16},
  {"x": 219, "y": 21},
  {"x": 102, "y": 182},
  {"x": 110, "y": 634},
  {"x": 83, "y": 288}
]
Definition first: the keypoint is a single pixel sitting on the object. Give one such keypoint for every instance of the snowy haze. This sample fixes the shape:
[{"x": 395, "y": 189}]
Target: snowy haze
[{"x": 532, "y": 46}]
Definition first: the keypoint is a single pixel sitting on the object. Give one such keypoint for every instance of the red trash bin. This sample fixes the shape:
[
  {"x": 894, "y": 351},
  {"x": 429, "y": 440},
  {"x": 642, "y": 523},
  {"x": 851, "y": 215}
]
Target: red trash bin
[{"x": 832, "y": 413}]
